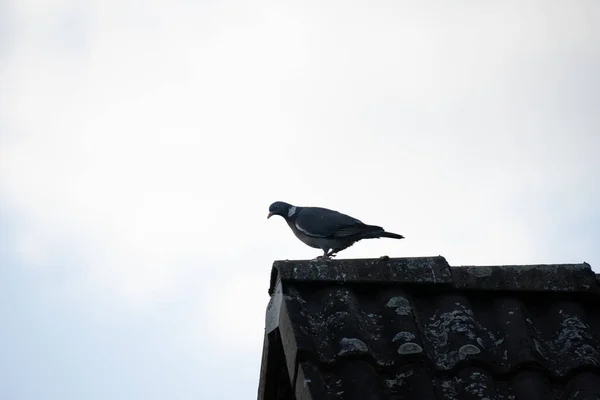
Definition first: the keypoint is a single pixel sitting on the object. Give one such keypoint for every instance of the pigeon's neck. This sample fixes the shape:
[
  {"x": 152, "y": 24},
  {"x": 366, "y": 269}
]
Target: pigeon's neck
[
  {"x": 292, "y": 211},
  {"x": 292, "y": 214}
]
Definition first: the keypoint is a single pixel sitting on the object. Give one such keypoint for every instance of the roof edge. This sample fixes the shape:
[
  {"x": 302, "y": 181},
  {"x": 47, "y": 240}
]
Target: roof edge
[{"x": 436, "y": 270}]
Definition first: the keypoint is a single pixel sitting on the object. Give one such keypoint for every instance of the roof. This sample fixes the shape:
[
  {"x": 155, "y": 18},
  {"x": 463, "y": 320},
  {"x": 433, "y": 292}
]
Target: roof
[{"x": 416, "y": 328}]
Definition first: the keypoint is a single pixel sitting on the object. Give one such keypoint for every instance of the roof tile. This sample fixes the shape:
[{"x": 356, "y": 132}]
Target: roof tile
[{"x": 456, "y": 336}]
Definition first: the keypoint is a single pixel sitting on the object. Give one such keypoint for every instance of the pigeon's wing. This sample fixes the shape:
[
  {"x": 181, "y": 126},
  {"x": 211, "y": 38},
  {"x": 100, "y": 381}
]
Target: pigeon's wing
[{"x": 324, "y": 223}]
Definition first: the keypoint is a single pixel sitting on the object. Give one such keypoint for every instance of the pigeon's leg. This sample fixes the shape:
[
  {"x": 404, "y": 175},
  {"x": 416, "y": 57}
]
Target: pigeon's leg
[{"x": 325, "y": 256}]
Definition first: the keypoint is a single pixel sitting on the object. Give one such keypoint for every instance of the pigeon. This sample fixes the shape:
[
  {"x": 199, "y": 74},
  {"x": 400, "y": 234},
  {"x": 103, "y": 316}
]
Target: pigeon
[{"x": 328, "y": 230}]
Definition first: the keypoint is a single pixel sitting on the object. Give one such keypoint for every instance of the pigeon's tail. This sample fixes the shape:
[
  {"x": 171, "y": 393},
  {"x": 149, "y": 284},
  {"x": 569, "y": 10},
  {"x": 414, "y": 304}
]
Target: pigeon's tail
[
  {"x": 376, "y": 232},
  {"x": 390, "y": 235}
]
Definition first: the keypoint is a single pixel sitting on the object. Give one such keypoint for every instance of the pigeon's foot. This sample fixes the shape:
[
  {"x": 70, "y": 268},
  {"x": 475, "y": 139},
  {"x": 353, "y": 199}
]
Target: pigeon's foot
[
  {"x": 322, "y": 258},
  {"x": 331, "y": 254}
]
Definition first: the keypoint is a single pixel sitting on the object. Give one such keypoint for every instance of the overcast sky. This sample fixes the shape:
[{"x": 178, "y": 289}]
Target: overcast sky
[{"x": 141, "y": 143}]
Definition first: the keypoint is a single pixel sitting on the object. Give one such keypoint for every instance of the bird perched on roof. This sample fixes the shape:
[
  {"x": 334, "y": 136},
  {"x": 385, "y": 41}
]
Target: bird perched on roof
[{"x": 328, "y": 230}]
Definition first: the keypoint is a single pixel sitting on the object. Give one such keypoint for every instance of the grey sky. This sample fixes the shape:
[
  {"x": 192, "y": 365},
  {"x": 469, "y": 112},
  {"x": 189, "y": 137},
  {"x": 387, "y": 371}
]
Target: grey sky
[{"x": 141, "y": 144}]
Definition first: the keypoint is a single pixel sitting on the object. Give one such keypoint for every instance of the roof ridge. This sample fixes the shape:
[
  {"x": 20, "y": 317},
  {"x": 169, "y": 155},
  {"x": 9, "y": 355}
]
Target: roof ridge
[{"x": 435, "y": 270}]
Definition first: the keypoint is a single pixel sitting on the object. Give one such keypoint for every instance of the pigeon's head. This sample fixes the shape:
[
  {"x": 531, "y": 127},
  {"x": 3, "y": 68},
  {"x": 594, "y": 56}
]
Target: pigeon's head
[{"x": 282, "y": 209}]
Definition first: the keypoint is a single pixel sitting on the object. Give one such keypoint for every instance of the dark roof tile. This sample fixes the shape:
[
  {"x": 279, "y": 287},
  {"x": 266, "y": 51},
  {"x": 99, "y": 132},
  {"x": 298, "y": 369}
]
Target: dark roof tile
[{"x": 358, "y": 336}]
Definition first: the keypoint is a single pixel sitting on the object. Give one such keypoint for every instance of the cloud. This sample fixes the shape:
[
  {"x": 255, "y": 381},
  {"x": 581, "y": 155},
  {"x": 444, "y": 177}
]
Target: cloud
[
  {"x": 136, "y": 155},
  {"x": 143, "y": 141}
]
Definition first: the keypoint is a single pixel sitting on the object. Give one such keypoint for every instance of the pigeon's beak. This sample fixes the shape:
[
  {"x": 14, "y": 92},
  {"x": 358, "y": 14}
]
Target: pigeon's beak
[{"x": 270, "y": 215}]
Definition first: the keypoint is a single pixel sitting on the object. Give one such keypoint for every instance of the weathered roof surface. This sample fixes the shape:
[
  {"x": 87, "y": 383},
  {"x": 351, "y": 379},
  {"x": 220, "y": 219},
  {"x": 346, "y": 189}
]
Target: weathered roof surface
[{"x": 416, "y": 328}]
